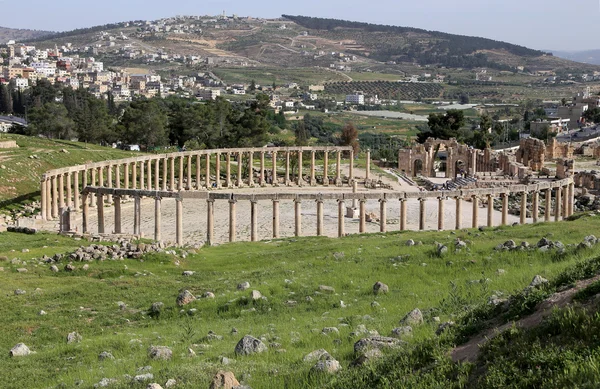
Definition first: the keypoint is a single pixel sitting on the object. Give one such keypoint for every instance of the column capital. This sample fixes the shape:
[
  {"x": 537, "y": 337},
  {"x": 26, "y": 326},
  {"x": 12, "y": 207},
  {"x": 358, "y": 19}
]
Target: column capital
[
  {"x": 319, "y": 201},
  {"x": 275, "y": 200},
  {"x": 207, "y": 200},
  {"x": 422, "y": 199},
  {"x": 363, "y": 200},
  {"x": 342, "y": 201},
  {"x": 298, "y": 201},
  {"x": 253, "y": 202},
  {"x": 232, "y": 201},
  {"x": 383, "y": 200},
  {"x": 158, "y": 198}
]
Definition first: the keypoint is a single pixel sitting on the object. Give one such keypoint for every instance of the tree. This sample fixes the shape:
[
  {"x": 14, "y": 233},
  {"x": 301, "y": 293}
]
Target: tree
[
  {"x": 592, "y": 115},
  {"x": 51, "y": 120},
  {"x": 302, "y": 135},
  {"x": 463, "y": 98},
  {"x": 442, "y": 125},
  {"x": 144, "y": 122},
  {"x": 349, "y": 137},
  {"x": 252, "y": 87},
  {"x": 6, "y": 105}
]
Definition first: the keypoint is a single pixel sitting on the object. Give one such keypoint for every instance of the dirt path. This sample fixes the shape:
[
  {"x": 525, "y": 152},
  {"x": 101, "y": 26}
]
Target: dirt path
[{"x": 469, "y": 352}]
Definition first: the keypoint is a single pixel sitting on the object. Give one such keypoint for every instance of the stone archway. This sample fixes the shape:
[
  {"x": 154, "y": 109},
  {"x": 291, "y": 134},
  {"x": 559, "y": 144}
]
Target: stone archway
[
  {"x": 460, "y": 168},
  {"x": 417, "y": 167}
]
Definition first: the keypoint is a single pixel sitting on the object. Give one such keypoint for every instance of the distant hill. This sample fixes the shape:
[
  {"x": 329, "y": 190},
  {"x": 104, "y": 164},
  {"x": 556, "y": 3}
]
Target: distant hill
[
  {"x": 20, "y": 35},
  {"x": 586, "y": 56},
  {"x": 406, "y": 44}
]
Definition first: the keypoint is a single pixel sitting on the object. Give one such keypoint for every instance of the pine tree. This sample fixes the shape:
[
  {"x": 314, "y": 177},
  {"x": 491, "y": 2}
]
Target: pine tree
[{"x": 5, "y": 100}]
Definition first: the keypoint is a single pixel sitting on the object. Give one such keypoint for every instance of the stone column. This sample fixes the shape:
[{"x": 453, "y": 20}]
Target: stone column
[
  {"x": 535, "y": 205},
  {"x": 338, "y": 168},
  {"x": 240, "y": 181},
  {"x": 261, "y": 179},
  {"x": 403, "y": 215},
  {"x": 165, "y": 175},
  {"x": 172, "y": 174},
  {"x": 43, "y": 200},
  {"x": 341, "y": 209},
  {"x": 109, "y": 183},
  {"x": 61, "y": 191},
  {"x": 251, "y": 168},
  {"x": 253, "y": 221},
  {"x": 571, "y": 198},
  {"x": 85, "y": 213},
  {"x": 422, "y": 214},
  {"x": 156, "y": 174},
  {"x": 504, "y": 209},
  {"x": 180, "y": 178},
  {"x": 299, "y": 180},
  {"x": 382, "y": 213},
  {"x": 232, "y": 220},
  {"x": 118, "y": 176},
  {"x": 440, "y": 213},
  {"x": 48, "y": 199},
  {"x": 210, "y": 221},
  {"x": 126, "y": 174},
  {"x": 149, "y": 175},
  {"x": 137, "y": 216},
  {"x": 133, "y": 175},
  {"x": 351, "y": 168},
  {"x": 117, "y": 205},
  {"x": 218, "y": 169},
  {"x": 69, "y": 191},
  {"x": 368, "y": 162},
  {"x": 207, "y": 172},
  {"x": 325, "y": 167},
  {"x": 179, "y": 221},
  {"x": 157, "y": 219},
  {"x": 458, "y": 213},
  {"x": 565, "y": 193},
  {"x": 142, "y": 175},
  {"x": 76, "y": 191},
  {"x": 362, "y": 227},
  {"x": 548, "y": 201},
  {"x": 558, "y": 204},
  {"x": 523, "y": 213},
  {"x": 100, "y": 209},
  {"x": 228, "y": 169},
  {"x": 54, "y": 197},
  {"x": 275, "y": 218},
  {"x": 287, "y": 168},
  {"x": 274, "y": 172},
  {"x": 490, "y": 210},
  {"x": 475, "y": 200},
  {"x": 198, "y": 178},
  {"x": 319, "y": 217},
  {"x": 189, "y": 172},
  {"x": 312, "y": 168},
  {"x": 298, "y": 217},
  {"x": 101, "y": 176}
]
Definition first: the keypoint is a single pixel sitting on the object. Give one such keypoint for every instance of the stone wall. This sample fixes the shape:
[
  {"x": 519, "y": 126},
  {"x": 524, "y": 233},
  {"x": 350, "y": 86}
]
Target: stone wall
[{"x": 531, "y": 153}]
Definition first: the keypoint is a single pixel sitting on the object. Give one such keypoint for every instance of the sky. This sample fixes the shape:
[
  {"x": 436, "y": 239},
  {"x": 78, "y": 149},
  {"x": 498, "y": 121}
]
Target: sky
[{"x": 538, "y": 24}]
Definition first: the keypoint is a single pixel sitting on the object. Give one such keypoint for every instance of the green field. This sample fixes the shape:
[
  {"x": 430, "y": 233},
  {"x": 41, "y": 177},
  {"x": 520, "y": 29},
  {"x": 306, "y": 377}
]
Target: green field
[
  {"x": 22, "y": 168},
  {"x": 281, "y": 76},
  {"x": 286, "y": 272}
]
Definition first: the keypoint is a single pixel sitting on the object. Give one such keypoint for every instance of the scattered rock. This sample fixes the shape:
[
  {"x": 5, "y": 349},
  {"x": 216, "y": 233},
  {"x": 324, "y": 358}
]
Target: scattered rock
[
  {"x": 441, "y": 250},
  {"x": 537, "y": 281},
  {"x": 185, "y": 298},
  {"x": 414, "y": 317},
  {"x": 410, "y": 242},
  {"x": 208, "y": 295},
  {"x": 42, "y": 313},
  {"x": 69, "y": 267},
  {"x": 366, "y": 357},
  {"x": 160, "y": 352},
  {"x": 104, "y": 382},
  {"x": 54, "y": 269},
  {"x": 330, "y": 330},
  {"x": 317, "y": 355},
  {"x": 74, "y": 337},
  {"x": 401, "y": 332},
  {"x": 21, "y": 270},
  {"x": 330, "y": 366},
  {"x": 154, "y": 386},
  {"x": 170, "y": 383},
  {"x": 20, "y": 350},
  {"x": 156, "y": 307},
  {"x": 243, "y": 286},
  {"x": 375, "y": 342},
  {"x": 143, "y": 377},
  {"x": 256, "y": 295},
  {"x": 325, "y": 288},
  {"x": 380, "y": 287},
  {"x": 19, "y": 292},
  {"x": 188, "y": 273},
  {"x": 443, "y": 327},
  {"x": 105, "y": 355},
  {"x": 250, "y": 345},
  {"x": 224, "y": 380}
]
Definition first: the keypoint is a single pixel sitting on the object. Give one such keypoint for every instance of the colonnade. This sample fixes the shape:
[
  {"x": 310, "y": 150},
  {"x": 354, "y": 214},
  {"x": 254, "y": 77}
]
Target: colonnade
[
  {"x": 529, "y": 194},
  {"x": 192, "y": 171}
]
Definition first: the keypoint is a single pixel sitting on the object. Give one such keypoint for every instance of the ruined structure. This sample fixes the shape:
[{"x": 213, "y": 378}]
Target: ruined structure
[
  {"x": 531, "y": 153},
  {"x": 459, "y": 159}
]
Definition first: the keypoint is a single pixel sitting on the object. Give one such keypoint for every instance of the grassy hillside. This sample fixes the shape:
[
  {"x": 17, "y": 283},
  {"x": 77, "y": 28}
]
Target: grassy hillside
[
  {"x": 20, "y": 35},
  {"x": 22, "y": 168},
  {"x": 108, "y": 305}
]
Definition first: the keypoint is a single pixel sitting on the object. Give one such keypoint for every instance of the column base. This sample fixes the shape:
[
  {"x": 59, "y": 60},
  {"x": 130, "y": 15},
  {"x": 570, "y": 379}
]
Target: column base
[{"x": 353, "y": 213}]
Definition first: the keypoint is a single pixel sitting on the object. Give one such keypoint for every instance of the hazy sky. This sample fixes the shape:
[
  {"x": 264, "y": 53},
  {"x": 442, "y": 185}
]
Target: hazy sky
[{"x": 547, "y": 24}]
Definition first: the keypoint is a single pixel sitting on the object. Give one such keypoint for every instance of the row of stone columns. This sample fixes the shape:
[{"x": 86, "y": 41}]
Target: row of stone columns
[
  {"x": 147, "y": 175},
  {"x": 563, "y": 208}
]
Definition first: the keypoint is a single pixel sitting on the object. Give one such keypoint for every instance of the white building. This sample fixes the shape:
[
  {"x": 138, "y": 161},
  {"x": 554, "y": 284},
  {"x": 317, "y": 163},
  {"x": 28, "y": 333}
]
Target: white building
[{"x": 356, "y": 99}]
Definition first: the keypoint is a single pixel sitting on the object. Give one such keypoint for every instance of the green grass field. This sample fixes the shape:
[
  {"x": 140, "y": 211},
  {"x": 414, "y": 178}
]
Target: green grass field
[
  {"x": 281, "y": 76},
  {"x": 86, "y": 301},
  {"x": 22, "y": 168}
]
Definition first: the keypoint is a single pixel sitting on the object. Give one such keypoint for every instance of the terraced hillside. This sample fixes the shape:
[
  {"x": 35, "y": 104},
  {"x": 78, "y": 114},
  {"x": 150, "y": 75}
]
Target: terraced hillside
[{"x": 387, "y": 89}]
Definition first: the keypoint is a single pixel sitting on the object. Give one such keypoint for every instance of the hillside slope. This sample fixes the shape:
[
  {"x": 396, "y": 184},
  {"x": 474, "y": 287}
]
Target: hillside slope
[{"x": 18, "y": 35}]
